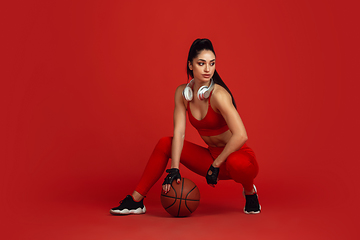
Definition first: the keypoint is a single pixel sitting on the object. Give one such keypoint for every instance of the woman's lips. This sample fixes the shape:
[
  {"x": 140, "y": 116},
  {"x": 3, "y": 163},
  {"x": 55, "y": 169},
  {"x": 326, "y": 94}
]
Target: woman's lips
[{"x": 206, "y": 75}]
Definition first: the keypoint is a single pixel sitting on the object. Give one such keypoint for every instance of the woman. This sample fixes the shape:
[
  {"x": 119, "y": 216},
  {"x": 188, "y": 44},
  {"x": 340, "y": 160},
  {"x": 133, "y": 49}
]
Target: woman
[{"x": 212, "y": 111}]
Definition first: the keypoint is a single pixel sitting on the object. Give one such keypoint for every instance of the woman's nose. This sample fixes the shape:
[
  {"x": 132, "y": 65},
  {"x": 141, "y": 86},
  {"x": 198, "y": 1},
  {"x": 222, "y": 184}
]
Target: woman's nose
[{"x": 207, "y": 68}]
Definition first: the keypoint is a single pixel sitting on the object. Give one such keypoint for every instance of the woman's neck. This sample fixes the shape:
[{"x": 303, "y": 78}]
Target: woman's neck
[{"x": 198, "y": 84}]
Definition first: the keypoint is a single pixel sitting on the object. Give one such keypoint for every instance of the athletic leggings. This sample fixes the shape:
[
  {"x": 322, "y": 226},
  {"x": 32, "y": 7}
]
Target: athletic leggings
[{"x": 241, "y": 166}]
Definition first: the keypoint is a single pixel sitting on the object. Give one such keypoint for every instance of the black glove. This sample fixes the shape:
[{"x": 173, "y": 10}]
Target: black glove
[
  {"x": 213, "y": 177},
  {"x": 174, "y": 173}
]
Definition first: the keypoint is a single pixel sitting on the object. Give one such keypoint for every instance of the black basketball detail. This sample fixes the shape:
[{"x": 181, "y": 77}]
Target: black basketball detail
[{"x": 190, "y": 199}]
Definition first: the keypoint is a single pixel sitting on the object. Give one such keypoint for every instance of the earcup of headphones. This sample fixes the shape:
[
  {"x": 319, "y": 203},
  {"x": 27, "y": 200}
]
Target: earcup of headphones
[
  {"x": 206, "y": 94},
  {"x": 188, "y": 93},
  {"x": 202, "y": 92}
]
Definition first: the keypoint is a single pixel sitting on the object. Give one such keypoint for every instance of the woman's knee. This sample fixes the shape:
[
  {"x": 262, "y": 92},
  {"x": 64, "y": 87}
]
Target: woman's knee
[
  {"x": 241, "y": 163},
  {"x": 164, "y": 144}
]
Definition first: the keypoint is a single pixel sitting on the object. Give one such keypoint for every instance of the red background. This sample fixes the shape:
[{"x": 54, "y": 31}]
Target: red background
[{"x": 87, "y": 91}]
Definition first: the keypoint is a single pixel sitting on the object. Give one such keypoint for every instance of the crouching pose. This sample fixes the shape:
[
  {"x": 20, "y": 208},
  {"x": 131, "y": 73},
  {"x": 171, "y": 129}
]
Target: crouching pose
[{"x": 212, "y": 111}]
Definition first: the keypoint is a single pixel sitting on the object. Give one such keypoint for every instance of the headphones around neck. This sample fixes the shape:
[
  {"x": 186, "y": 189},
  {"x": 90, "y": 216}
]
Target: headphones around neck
[{"x": 203, "y": 92}]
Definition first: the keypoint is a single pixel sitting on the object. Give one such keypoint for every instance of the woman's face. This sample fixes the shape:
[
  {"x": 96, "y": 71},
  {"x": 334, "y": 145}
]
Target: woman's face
[{"x": 203, "y": 66}]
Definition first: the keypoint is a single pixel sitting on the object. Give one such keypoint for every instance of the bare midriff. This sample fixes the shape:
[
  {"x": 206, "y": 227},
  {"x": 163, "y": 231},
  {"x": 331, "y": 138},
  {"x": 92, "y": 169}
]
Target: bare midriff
[{"x": 219, "y": 140}]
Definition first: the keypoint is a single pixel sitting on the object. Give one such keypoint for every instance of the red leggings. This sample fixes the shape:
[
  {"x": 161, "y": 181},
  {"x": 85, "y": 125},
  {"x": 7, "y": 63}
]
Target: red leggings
[{"x": 241, "y": 166}]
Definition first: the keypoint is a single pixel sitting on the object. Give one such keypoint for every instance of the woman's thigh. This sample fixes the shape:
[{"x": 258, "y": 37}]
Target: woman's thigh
[{"x": 196, "y": 158}]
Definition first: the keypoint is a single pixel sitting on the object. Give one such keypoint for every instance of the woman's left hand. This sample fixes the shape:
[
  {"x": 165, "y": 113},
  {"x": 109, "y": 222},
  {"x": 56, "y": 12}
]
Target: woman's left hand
[{"x": 212, "y": 176}]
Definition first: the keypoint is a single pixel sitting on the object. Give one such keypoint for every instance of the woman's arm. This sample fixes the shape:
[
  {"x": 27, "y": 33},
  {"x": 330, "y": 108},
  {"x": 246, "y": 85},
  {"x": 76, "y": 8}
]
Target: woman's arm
[
  {"x": 223, "y": 102},
  {"x": 179, "y": 127},
  {"x": 179, "y": 132}
]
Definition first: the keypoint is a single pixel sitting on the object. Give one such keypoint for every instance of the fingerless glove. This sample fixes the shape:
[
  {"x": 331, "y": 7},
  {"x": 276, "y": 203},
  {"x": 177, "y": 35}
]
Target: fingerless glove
[
  {"x": 213, "y": 177},
  {"x": 173, "y": 173}
]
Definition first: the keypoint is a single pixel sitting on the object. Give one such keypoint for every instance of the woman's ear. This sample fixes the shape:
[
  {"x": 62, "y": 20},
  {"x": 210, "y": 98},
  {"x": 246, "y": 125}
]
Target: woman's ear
[{"x": 190, "y": 65}]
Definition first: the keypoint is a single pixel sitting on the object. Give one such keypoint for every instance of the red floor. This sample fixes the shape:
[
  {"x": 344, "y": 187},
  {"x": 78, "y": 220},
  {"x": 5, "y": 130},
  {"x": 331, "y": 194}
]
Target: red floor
[{"x": 83, "y": 213}]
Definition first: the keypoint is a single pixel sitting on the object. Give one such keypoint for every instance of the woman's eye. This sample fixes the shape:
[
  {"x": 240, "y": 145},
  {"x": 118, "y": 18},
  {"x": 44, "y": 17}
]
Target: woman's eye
[{"x": 202, "y": 64}]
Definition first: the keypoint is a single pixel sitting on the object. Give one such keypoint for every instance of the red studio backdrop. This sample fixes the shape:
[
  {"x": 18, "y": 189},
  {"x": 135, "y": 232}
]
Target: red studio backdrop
[{"x": 87, "y": 91}]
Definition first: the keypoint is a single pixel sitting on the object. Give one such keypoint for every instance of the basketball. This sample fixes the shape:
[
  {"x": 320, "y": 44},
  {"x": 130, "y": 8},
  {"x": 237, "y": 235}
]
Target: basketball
[{"x": 182, "y": 199}]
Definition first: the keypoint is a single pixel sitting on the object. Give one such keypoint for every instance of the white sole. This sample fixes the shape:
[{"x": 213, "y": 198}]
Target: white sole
[
  {"x": 127, "y": 211},
  {"x": 252, "y": 212}
]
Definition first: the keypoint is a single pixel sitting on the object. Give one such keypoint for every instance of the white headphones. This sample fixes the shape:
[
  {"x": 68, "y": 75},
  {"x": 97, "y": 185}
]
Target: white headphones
[{"x": 203, "y": 92}]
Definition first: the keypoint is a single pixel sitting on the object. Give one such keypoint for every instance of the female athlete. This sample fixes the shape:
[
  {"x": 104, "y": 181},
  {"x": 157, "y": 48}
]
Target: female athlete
[{"x": 212, "y": 111}]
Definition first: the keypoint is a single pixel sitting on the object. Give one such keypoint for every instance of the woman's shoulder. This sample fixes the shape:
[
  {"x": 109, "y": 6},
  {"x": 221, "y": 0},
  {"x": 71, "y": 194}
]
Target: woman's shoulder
[
  {"x": 220, "y": 98},
  {"x": 180, "y": 89},
  {"x": 219, "y": 93},
  {"x": 179, "y": 94}
]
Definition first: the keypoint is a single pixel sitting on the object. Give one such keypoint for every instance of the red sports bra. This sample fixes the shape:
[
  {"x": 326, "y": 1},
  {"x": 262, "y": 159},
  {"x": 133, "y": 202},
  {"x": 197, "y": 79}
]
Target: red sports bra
[{"x": 212, "y": 124}]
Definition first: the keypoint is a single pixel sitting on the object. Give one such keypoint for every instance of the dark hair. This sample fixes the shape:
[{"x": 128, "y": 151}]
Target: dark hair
[{"x": 197, "y": 46}]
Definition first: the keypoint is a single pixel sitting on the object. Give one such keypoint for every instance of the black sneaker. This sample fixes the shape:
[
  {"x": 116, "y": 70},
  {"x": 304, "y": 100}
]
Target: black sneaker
[
  {"x": 129, "y": 206},
  {"x": 252, "y": 205}
]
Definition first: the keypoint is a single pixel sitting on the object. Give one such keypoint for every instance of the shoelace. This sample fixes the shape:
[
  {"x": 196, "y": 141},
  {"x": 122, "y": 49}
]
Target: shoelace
[
  {"x": 251, "y": 201},
  {"x": 125, "y": 200}
]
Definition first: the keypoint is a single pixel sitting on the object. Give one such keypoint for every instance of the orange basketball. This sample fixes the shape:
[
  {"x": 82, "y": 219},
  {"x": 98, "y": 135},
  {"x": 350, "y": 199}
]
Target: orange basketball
[{"x": 182, "y": 199}]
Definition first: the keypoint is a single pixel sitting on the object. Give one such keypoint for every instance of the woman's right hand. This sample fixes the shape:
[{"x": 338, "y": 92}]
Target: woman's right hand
[{"x": 173, "y": 173}]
